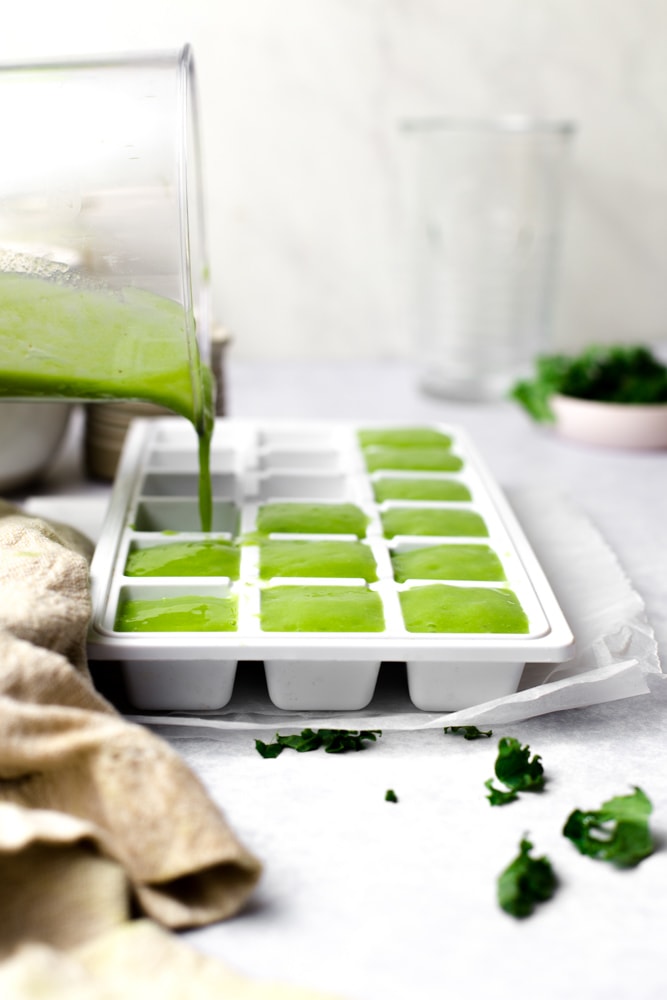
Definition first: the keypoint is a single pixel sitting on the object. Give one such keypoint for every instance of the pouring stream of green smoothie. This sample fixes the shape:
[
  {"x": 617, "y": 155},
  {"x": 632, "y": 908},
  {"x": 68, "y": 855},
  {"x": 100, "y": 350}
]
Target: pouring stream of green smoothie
[{"x": 66, "y": 340}]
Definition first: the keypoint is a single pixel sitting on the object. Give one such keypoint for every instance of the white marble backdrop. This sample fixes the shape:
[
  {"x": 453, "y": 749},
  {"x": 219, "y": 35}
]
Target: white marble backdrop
[{"x": 305, "y": 168}]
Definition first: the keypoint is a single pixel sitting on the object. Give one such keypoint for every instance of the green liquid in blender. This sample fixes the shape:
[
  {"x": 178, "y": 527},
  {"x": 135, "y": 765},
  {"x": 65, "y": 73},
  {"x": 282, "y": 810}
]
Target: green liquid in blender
[{"x": 60, "y": 340}]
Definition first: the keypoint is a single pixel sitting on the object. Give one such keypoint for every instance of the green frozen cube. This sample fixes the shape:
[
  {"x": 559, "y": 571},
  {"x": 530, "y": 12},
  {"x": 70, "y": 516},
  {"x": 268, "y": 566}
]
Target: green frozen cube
[
  {"x": 180, "y": 613},
  {"x": 419, "y": 488},
  {"x": 442, "y": 607},
  {"x": 402, "y": 437},
  {"x": 426, "y": 458},
  {"x": 432, "y": 521},
  {"x": 311, "y": 518},
  {"x": 320, "y": 609},
  {"x": 209, "y": 557},
  {"x": 279, "y": 557},
  {"x": 447, "y": 562}
]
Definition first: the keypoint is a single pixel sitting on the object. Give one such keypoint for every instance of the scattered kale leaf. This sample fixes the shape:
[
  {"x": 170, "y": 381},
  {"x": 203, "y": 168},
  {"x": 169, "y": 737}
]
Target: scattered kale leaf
[
  {"x": 469, "y": 732},
  {"x": 268, "y": 750},
  {"x": 516, "y": 769},
  {"x": 342, "y": 740},
  {"x": 499, "y": 796},
  {"x": 304, "y": 742},
  {"x": 331, "y": 740},
  {"x": 617, "y": 832},
  {"x": 607, "y": 373},
  {"x": 525, "y": 882},
  {"x": 390, "y": 795}
]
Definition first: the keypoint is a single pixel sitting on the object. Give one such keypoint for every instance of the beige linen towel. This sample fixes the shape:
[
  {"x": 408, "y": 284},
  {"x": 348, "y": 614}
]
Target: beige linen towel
[
  {"x": 135, "y": 961},
  {"x": 97, "y": 816}
]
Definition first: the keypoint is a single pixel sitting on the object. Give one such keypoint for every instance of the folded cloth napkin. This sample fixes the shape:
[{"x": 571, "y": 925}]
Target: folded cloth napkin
[{"x": 99, "y": 818}]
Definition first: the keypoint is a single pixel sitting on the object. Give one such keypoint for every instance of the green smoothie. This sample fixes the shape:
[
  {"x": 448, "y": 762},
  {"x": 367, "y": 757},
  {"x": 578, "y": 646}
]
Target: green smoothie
[
  {"x": 209, "y": 557},
  {"x": 402, "y": 437},
  {"x": 448, "y": 562},
  {"x": 178, "y": 614},
  {"x": 60, "y": 340},
  {"x": 419, "y": 488},
  {"x": 311, "y": 518},
  {"x": 426, "y": 458},
  {"x": 432, "y": 521},
  {"x": 321, "y": 609},
  {"x": 317, "y": 559},
  {"x": 445, "y": 608}
]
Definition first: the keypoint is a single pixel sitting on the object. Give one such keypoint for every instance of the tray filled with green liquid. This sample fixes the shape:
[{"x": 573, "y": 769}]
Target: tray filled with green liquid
[{"x": 333, "y": 548}]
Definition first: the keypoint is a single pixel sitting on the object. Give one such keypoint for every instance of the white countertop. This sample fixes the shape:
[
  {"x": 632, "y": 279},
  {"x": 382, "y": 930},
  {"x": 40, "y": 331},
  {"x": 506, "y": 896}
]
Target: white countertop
[{"x": 370, "y": 900}]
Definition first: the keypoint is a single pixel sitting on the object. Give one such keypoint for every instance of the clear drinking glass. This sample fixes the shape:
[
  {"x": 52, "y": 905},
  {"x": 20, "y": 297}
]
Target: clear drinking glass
[
  {"x": 104, "y": 278},
  {"x": 488, "y": 200}
]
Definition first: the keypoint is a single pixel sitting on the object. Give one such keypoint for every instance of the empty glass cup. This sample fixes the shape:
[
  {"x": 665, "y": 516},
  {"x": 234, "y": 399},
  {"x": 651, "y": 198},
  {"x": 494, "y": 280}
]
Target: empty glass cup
[
  {"x": 104, "y": 283},
  {"x": 488, "y": 212}
]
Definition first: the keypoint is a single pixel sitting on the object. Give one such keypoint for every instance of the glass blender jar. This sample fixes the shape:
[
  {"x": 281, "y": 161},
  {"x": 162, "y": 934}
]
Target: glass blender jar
[{"x": 104, "y": 279}]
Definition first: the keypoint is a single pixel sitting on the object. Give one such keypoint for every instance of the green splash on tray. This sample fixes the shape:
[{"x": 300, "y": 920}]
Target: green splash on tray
[
  {"x": 320, "y": 609},
  {"x": 181, "y": 613},
  {"x": 442, "y": 607}
]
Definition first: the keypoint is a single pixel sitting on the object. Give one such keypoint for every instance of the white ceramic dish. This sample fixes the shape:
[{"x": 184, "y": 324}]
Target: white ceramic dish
[
  {"x": 31, "y": 432},
  {"x": 616, "y": 425},
  {"x": 254, "y": 464}
]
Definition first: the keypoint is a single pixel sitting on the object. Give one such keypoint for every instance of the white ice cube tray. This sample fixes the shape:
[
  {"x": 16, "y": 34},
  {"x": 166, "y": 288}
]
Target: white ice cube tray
[{"x": 254, "y": 463}]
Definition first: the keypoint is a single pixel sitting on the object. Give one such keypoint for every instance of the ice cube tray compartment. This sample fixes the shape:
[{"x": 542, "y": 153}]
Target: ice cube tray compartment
[{"x": 342, "y": 493}]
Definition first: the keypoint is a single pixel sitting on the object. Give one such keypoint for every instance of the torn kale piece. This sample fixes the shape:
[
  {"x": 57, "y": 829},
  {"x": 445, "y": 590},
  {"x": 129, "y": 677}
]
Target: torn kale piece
[
  {"x": 469, "y": 732},
  {"x": 525, "y": 882},
  {"x": 516, "y": 770},
  {"x": 617, "y": 832},
  {"x": 331, "y": 740}
]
